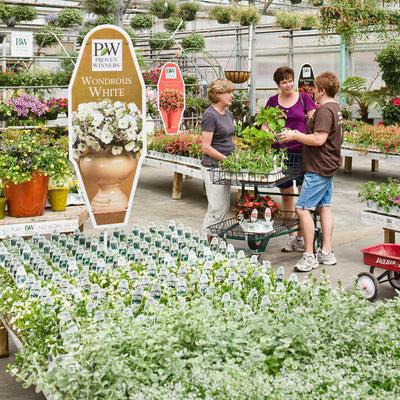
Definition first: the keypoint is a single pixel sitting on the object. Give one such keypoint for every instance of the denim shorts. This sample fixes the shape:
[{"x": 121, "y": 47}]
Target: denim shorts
[
  {"x": 294, "y": 162},
  {"x": 315, "y": 192}
]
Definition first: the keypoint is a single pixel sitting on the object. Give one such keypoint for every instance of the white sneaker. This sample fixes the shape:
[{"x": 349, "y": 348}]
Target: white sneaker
[
  {"x": 306, "y": 263},
  {"x": 293, "y": 243},
  {"x": 326, "y": 259}
]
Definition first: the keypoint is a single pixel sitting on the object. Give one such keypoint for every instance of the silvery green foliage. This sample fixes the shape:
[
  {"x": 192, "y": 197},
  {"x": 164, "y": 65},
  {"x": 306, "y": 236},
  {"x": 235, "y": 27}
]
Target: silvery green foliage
[{"x": 226, "y": 329}]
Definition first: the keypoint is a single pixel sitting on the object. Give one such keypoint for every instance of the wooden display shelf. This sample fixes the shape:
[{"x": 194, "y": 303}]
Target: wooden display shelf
[
  {"x": 349, "y": 152},
  {"x": 390, "y": 224},
  {"x": 63, "y": 221}
]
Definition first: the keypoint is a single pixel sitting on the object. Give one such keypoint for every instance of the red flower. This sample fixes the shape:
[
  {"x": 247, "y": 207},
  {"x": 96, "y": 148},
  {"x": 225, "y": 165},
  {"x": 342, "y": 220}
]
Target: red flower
[{"x": 396, "y": 101}]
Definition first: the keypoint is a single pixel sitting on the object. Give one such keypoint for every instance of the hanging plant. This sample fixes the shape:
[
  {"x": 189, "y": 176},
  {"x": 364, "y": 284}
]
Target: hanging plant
[
  {"x": 11, "y": 14},
  {"x": 316, "y": 3},
  {"x": 172, "y": 23},
  {"x": 101, "y": 7},
  {"x": 161, "y": 40},
  {"x": 222, "y": 14},
  {"x": 308, "y": 21},
  {"x": 105, "y": 19},
  {"x": 188, "y": 10},
  {"x": 46, "y": 35},
  {"x": 388, "y": 60},
  {"x": 163, "y": 9},
  {"x": 83, "y": 32},
  {"x": 247, "y": 15},
  {"x": 287, "y": 19},
  {"x": 142, "y": 22},
  {"x": 132, "y": 35},
  {"x": 295, "y": 1},
  {"x": 69, "y": 17},
  {"x": 193, "y": 42}
]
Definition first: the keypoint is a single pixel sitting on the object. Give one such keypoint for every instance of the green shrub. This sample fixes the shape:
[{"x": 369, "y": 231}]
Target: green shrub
[
  {"x": 172, "y": 23},
  {"x": 194, "y": 41},
  {"x": 389, "y": 62},
  {"x": 163, "y": 8},
  {"x": 142, "y": 22},
  {"x": 69, "y": 17},
  {"x": 105, "y": 19},
  {"x": 188, "y": 10},
  {"x": 161, "y": 40},
  {"x": 46, "y": 35}
]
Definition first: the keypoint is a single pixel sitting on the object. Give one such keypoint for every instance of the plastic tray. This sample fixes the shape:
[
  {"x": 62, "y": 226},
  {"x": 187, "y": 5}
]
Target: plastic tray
[{"x": 386, "y": 256}]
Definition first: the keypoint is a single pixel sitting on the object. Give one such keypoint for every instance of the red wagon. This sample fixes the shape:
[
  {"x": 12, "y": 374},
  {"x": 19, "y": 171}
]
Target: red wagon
[{"x": 385, "y": 256}]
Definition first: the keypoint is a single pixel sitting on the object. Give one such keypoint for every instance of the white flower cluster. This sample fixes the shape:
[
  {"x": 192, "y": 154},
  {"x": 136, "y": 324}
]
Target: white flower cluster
[{"x": 106, "y": 126}]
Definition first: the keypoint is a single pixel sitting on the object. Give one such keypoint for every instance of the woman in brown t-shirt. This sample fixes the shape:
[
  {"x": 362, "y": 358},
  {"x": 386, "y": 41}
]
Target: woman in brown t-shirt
[{"x": 321, "y": 159}]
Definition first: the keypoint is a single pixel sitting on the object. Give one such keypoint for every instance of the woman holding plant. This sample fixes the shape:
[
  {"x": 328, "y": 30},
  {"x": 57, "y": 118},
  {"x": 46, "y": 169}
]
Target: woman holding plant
[
  {"x": 216, "y": 144},
  {"x": 321, "y": 160},
  {"x": 297, "y": 107}
]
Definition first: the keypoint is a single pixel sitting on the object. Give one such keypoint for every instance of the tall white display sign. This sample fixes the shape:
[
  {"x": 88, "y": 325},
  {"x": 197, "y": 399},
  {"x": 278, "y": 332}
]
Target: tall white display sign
[{"x": 22, "y": 44}]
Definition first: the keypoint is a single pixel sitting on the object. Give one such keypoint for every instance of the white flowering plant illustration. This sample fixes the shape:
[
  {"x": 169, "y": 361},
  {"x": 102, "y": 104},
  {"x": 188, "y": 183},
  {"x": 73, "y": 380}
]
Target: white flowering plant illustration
[{"x": 106, "y": 125}]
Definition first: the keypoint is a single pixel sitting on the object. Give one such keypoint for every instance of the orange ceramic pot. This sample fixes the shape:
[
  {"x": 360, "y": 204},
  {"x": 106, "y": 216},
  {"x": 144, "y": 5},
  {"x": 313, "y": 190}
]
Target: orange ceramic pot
[{"x": 27, "y": 199}]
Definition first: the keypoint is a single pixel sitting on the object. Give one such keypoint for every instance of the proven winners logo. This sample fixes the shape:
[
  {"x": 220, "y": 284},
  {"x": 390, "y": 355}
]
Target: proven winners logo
[{"x": 107, "y": 55}]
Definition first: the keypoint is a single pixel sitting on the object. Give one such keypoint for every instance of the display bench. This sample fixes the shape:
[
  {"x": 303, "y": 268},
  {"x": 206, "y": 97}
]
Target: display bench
[
  {"x": 63, "y": 221},
  {"x": 390, "y": 224},
  {"x": 178, "y": 164},
  {"x": 349, "y": 151}
]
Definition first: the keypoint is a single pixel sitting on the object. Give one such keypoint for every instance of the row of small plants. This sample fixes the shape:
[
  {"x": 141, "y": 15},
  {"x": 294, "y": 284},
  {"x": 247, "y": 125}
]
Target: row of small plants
[
  {"x": 204, "y": 323},
  {"x": 30, "y": 110},
  {"x": 365, "y": 137},
  {"x": 384, "y": 197}
]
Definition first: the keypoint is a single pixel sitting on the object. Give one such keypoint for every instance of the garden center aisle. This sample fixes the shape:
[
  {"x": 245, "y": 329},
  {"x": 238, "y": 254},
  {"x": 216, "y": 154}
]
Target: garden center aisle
[{"x": 153, "y": 202}]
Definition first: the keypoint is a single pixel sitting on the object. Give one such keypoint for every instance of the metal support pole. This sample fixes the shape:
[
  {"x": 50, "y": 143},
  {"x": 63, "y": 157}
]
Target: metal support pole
[
  {"x": 252, "y": 64},
  {"x": 290, "y": 53},
  {"x": 342, "y": 63}
]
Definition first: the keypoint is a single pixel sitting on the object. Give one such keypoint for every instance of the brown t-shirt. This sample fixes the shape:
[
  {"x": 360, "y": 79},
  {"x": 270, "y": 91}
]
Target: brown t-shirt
[{"x": 324, "y": 160}]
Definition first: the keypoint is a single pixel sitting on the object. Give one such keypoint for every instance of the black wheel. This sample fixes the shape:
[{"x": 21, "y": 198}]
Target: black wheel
[
  {"x": 394, "y": 279},
  {"x": 257, "y": 246},
  {"x": 369, "y": 285}
]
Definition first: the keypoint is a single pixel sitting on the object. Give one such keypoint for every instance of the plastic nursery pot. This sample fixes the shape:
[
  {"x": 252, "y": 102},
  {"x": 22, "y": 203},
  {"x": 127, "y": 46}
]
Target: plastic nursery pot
[
  {"x": 58, "y": 198},
  {"x": 3, "y": 203}
]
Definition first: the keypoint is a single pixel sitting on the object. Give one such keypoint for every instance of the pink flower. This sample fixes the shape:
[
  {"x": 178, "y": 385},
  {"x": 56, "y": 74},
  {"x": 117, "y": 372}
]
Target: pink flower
[{"x": 396, "y": 101}]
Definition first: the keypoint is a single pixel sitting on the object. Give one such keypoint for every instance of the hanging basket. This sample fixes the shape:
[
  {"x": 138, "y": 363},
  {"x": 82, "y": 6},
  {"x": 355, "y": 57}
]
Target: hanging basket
[{"x": 237, "y": 76}]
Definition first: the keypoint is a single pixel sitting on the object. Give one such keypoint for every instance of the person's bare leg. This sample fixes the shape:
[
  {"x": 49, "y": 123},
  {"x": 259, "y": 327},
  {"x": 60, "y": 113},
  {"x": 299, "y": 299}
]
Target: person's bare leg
[
  {"x": 308, "y": 228},
  {"x": 326, "y": 218}
]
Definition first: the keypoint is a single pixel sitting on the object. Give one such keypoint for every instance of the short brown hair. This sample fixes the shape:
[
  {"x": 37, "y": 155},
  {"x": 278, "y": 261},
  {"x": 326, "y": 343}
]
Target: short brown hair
[
  {"x": 283, "y": 73},
  {"x": 219, "y": 85},
  {"x": 328, "y": 81}
]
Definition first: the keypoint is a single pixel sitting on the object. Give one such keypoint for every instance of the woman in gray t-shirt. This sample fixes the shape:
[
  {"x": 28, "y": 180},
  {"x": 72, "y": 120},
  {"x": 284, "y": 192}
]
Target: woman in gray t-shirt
[{"x": 217, "y": 143}]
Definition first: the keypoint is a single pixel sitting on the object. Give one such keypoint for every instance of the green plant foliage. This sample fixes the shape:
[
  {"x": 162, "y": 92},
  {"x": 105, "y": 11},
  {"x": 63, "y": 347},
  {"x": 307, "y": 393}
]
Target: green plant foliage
[
  {"x": 142, "y": 22},
  {"x": 101, "y": 7},
  {"x": 12, "y": 14},
  {"x": 193, "y": 42},
  {"x": 287, "y": 19},
  {"x": 105, "y": 19},
  {"x": 172, "y": 23},
  {"x": 132, "y": 35},
  {"x": 391, "y": 112},
  {"x": 163, "y": 9},
  {"x": 161, "y": 40},
  {"x": 388, "y": 60},
  {"x": 247, "y": 15},
  {"x": 69, "y": 17},
  {"x": 308, "y": 21},
  {"x": 46, "y": 35},
  {"x": 83, "y": 32},
  {"x": 188, "y": 10},
  {"x": 223, "y": 14}
]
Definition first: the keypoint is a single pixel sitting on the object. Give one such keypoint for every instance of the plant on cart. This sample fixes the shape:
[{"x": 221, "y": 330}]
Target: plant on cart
[{"x": 246, "y": 204}]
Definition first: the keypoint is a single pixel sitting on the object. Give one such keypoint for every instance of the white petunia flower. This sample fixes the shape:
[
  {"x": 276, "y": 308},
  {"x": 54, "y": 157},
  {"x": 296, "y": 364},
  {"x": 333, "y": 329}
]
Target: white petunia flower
[{"x": 116, "y": 150}]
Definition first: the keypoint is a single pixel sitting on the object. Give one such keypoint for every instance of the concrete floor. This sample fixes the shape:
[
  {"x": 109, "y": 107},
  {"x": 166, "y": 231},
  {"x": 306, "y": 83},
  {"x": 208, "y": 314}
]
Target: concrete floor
[{"x": 153, "y": 202}]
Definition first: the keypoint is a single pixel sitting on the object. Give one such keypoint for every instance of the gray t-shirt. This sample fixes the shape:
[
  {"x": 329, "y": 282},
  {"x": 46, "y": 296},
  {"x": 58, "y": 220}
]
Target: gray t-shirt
[{"x": 223, "y": 128}]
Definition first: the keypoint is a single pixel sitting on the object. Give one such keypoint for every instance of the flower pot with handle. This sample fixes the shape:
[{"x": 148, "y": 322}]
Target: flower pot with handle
[
  {"x": 58, "y": 198},
  {"x": 27, "y": 199}
]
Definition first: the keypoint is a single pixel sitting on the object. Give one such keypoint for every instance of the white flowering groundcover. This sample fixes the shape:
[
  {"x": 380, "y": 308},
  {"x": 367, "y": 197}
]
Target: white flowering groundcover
[{"x": 160, "y": 315}]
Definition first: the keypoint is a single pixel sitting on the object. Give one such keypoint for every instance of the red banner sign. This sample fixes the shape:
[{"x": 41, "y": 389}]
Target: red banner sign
[{"x": 171, "y": 97}]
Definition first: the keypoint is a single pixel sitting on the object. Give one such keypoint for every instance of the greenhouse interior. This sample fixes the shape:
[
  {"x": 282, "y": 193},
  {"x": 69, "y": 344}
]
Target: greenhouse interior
[{"x": 198, "y": 199}]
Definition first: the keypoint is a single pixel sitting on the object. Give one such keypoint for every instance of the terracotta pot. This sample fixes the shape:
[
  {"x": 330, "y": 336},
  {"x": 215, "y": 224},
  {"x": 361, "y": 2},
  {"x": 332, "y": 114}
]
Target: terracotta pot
[
  {"x": 3, "y": 203},
  {"x": 108, "y": 171},
  {"x": 58, "y": 198},
  {"x": 173, "y": 119},
  {"x": 27, "y": 199}
]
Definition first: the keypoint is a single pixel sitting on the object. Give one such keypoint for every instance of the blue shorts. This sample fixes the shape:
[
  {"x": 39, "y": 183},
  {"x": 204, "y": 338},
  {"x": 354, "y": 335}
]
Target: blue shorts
[{"x": 315, "y": 192}]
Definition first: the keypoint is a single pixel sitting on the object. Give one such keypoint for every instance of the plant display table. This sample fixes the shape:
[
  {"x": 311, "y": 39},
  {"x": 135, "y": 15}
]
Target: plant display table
[
  {"x": 64, "y": 221},
  {"x": 350, "y": 151},
  {"x": 390, "y": 224},
  {"x": 178, "y": 164}
]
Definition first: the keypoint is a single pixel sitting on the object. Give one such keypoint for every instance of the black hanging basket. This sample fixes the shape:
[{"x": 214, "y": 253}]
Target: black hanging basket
[{"x": 237, "y": 76}]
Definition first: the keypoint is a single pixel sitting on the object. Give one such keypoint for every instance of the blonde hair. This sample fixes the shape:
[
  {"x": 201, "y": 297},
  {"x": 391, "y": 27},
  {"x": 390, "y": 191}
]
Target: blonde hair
[{"x": 217, "y": 86}]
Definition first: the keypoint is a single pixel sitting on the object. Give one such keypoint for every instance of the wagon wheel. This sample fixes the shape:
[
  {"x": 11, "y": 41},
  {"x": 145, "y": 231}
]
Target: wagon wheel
[
  {"x": 257, "y": 246},
  {"x": 394, "y": 279},
  {"x": 369, "y": 285}
]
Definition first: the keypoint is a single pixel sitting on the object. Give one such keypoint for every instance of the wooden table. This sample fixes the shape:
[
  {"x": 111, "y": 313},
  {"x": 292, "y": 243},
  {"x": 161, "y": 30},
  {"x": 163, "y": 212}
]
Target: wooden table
[
  {"x": 349, "y": 152},
  {"x": 63, "y": 221},
  {"x": 390, "y": 224}
]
